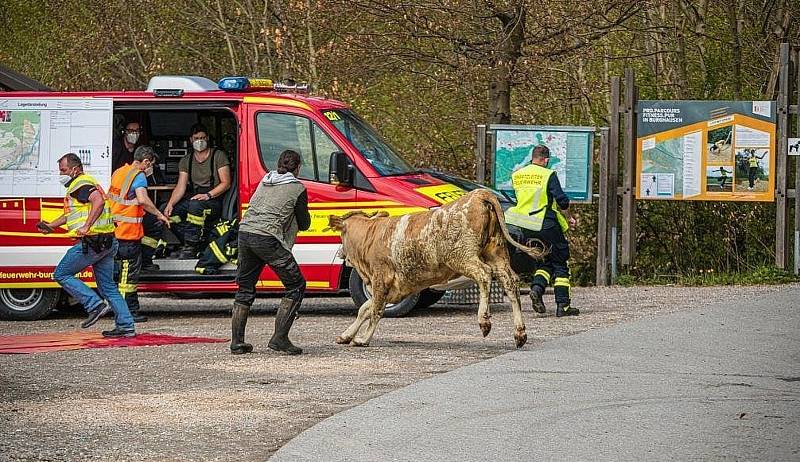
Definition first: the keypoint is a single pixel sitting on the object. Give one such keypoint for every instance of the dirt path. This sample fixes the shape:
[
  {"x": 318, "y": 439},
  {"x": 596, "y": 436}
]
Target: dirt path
[{"x": 198, "y": 402}]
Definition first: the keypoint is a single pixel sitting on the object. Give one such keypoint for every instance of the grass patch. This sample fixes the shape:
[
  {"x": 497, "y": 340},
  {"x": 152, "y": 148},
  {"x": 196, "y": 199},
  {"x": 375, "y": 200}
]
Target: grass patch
[{"x": 760, "y": 275}]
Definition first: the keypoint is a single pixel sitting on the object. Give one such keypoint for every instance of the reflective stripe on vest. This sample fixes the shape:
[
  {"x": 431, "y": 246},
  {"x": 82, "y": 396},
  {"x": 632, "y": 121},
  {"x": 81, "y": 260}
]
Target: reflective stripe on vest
[
  {"x": 77, "y": 212},
  {"x": 127, "y": 213}
]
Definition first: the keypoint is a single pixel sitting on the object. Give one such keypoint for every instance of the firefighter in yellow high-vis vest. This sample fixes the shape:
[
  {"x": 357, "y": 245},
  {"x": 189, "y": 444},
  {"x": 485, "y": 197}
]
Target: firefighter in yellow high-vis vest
[
  {"x": 542, "y": 213},
  {"x": 87, "y": 217}
]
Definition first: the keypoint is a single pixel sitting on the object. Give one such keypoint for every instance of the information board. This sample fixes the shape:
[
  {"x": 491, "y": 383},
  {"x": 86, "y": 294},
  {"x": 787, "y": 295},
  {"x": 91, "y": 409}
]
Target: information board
[
  {"x": 570, "y": 155},
  {"x": 706, "y": 150},
  {"x": 35, "y": 133}
]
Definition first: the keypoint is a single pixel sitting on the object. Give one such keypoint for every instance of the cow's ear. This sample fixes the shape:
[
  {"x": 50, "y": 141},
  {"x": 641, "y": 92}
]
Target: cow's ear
[{"x": 380, "y": 213}]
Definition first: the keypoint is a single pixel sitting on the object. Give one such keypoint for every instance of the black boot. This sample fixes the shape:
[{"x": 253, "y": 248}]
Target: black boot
[
  {"x": 284, "y": 319},
  {"x": 189, "y": 251},
  {"x": 563, "y": 309},
  {"x": 536, "y": 298},
  {"x": 238, "y": 322}
]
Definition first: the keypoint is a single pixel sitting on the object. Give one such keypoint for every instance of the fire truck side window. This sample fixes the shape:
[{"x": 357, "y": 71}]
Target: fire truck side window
[{"x": 278, "y": 132}]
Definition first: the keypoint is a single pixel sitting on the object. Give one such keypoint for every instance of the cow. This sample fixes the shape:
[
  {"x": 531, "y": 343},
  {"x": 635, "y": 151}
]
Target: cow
[{"x": 401, "y": 255}]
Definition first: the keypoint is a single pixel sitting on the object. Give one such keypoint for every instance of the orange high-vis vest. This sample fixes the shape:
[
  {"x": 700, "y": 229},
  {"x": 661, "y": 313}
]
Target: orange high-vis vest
[{"x": 127, "y": 213}]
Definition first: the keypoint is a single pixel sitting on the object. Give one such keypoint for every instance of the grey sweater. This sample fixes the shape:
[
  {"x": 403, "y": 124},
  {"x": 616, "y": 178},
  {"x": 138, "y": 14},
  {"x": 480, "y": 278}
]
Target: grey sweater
[{"x": 278, "y": 208}]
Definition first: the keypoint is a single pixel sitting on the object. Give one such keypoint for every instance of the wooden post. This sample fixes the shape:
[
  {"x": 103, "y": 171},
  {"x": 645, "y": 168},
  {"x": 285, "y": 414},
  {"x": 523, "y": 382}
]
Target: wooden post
[
  {"x": 797, "y": 170},
  {"x": 480, "y": 154},
  {"x": 603, "y": 225},
  {"x": 613, "y": 171},
  {"x": 781, "y": 202},
  {"x": 629, "y": 172}
]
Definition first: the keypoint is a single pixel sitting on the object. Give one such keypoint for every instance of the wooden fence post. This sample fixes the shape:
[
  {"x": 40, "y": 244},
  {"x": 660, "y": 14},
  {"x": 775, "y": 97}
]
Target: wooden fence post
[
  {"x": 603, "y": 225},
  {"x": 781, "y": 202},
  {"x": 480, "y": 154},
  {"x": 629, "y": 172}
]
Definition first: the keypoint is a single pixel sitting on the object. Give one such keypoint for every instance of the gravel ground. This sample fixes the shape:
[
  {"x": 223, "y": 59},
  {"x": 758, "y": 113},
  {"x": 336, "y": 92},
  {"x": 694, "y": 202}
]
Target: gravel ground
[{"x": 198, "y": 402}]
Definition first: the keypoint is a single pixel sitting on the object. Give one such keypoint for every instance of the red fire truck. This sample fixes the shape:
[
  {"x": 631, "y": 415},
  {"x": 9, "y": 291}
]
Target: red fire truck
[{"x": 347, "y": 166}]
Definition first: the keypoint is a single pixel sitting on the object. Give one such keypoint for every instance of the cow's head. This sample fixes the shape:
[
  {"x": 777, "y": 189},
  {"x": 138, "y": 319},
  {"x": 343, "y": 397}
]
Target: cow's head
[{"x": 336, "y": 222}]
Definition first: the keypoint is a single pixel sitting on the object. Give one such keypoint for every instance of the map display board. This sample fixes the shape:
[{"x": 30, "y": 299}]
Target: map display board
[
  {"x": 706, "y": 150},
  {"x": 35, "y": 133},
  {"x": 570, "y": 155}
]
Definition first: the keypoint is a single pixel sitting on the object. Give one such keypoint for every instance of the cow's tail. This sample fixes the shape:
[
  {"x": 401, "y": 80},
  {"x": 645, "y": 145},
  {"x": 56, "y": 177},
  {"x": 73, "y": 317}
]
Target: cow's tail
[{"x": 494, "y": 206}]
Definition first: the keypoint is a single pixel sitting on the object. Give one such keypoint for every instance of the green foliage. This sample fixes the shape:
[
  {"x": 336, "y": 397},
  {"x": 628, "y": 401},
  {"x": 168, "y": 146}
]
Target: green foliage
[{"x": 709, "y": 277}]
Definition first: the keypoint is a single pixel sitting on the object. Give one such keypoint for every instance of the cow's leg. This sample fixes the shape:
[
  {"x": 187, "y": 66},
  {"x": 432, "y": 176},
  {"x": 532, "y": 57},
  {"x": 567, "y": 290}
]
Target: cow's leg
[
  {"x": 375, "y": 315},
  {"x": 350, "y": 332},
  {"x": 498, "y": 259},
  {"x": 510, "y": 284},
  {"x": 482, "y": 275}
]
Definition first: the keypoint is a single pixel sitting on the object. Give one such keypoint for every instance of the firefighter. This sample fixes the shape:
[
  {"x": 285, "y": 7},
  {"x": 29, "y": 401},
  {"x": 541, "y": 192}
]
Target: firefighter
[
  {"x": 221, "y": 249},
  {"x": 542, "y": 214},
  {"x": 278, "y": 209},
  {"x": 87, "y": 216},
  {"x": 129, "y": 201},
  {"x": 203, "y": 176}
]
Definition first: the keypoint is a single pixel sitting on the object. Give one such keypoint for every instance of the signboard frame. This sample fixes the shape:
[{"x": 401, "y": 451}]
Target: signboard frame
[{"x": 688, "y": 150}]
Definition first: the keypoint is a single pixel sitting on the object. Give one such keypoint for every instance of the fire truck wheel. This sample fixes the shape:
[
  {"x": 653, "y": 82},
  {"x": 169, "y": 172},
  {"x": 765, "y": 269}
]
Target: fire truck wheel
[
  {"x": 27, "y": 304},
  {"x": 359, "y": 293}
]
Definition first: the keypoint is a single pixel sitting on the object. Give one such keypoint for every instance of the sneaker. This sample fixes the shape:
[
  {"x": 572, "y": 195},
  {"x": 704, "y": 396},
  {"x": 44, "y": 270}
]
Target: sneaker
[
  {"x": 536, "y": 299},
  {"x": 96, "y": 314},
  {"x": 119, "y": 332},
  {"x": 150, "y": 268},
  {"x": 566, "y": 310},
  {"x": 139, "y": 317}
]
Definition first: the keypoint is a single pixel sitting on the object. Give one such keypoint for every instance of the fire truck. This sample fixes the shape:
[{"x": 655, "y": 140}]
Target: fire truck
[{"x": 347, "y": 166}]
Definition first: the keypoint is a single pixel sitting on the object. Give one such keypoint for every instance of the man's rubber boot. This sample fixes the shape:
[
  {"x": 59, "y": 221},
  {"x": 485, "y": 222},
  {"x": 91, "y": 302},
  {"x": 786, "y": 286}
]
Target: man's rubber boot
[
  {"x": 563, "y": 309},
  {"x": 536, "y": 298},
  {"x": 284, "y": 319},
  {"x": 238, "y": 323}
]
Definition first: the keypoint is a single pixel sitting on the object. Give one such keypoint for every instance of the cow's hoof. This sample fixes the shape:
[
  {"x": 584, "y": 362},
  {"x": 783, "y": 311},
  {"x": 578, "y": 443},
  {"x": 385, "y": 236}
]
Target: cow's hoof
[
  {"x": 359, "y": 343},
  {"x": 520, "y": 338},
  {"x": 342, "y": 340},
  {"x": 486, "y": 327}
]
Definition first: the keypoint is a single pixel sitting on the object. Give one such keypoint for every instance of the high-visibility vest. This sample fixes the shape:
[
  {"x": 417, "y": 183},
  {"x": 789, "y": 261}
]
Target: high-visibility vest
[
  {"x": 530, "y": 187},
  {"x": 127, "y": 213},
  {"x": 77, "y": 212},
  {"x": 753, "y": 161}
]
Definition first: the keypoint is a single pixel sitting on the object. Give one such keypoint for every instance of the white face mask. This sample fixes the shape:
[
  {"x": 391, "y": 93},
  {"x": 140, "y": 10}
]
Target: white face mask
[
  {"x": 200, "y": 145},
  {"x": 148, "y": 171},
  {"x": 132, "y": 138},
  {"x": 64, "y": 179}
]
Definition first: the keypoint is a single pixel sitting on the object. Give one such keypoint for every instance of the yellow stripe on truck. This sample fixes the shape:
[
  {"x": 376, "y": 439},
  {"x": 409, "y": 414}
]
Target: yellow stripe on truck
[
  {"x": 276, "y": 101},
  {"x": 319, "y": 218},
  {"x": 442, "y": 193}
]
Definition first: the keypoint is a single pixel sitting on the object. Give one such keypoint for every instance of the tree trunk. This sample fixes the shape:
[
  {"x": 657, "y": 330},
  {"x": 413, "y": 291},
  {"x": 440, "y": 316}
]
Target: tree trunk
[
  {"x": 512, "y": 36},
  {"x": 736, "y": 48}
]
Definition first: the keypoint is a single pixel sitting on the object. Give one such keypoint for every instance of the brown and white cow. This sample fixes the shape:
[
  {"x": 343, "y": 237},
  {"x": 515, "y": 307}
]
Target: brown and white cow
[{"x": 399, "y": 256}]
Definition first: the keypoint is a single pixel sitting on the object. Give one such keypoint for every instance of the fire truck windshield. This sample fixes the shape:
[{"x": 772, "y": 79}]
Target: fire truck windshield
[{"x": 383, "y": 157}]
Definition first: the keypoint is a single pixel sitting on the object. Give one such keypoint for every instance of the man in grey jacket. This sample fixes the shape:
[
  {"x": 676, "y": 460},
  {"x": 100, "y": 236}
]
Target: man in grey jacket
[{"x": 278, "y": 210}]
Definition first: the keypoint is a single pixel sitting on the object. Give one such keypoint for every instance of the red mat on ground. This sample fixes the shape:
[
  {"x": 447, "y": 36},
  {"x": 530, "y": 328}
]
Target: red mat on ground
[{"x": 78, "y": 340}]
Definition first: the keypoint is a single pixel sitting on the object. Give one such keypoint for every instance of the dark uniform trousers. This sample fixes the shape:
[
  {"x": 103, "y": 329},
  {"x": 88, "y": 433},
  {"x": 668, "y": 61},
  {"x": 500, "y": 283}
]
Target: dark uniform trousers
[
  {"x": 256, "y": 251},
  {"x": 127, "y": 267},
  {"x": 554, "y": 269},
  {"x": 191, "y": 218},
  {"x": 152, "y": 243}
]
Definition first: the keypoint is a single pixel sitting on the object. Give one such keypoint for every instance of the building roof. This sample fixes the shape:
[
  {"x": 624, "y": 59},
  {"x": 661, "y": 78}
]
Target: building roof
[{"x": 11, "y": 80}]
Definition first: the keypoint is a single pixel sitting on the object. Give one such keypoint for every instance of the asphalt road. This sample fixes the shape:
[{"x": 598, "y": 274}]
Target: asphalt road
[{"x": 718, "y": 383}]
